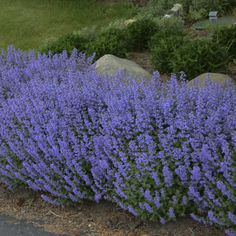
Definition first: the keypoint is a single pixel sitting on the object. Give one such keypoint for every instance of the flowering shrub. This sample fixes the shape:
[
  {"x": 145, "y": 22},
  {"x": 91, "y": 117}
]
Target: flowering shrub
[
  {"x": 17, "y": 67},
  {"x": 159, "y": 151},
  {"x": 173, "y": 150}
]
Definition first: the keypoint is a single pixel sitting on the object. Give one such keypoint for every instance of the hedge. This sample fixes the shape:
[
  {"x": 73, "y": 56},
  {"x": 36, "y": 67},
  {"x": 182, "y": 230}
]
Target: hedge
[{"x": 160, "y": 151}]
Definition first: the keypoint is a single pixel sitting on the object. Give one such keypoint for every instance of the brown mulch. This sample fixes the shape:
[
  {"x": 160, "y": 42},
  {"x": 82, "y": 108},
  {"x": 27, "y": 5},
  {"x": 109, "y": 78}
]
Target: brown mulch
[
  {"x": 91, "y": 219},
  {"x": 233, "y": 71},
  {"x": 143, "y": 59}
]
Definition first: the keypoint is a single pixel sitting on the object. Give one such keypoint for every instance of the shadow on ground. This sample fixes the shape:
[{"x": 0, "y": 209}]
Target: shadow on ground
[{"x": 10, "y": 226}]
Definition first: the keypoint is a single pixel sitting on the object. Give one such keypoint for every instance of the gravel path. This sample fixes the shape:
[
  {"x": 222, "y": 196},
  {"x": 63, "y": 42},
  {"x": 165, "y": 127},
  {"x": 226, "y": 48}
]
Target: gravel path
[{"x": 12, "y": 227}]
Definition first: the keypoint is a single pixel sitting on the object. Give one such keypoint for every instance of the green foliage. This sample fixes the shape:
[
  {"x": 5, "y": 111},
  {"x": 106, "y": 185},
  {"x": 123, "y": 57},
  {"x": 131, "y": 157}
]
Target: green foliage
[
  {"x": 226, "y": 5},
  {"x": 196, "y": 15},
  {"x": 170, "y": 24},
  {"x": 140, "y": 32},
  {"x": 120, "y": 39},
  {"x": 199, "y": 56},
  {"x": 117, "y": 39},
  {"x": 30, "y": 24},
  {"x": 158, "y": 7},
  {"x": 172, "y": 50},
  {"x": 67, "y": 42},
  {"x": 234, "y": 12},
  {"x": 110, "y": 41},
  {"x": 162, "y": 51},
  {"x": 169, "y": 37},
  {"x": 193, "y": 9},
  {"x": 226, "y": 36},
  {"x": 223, "y": 6}
]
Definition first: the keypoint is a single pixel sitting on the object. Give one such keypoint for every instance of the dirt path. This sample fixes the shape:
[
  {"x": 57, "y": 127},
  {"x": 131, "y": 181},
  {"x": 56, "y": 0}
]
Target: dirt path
[{"x": 89, "y": 219}]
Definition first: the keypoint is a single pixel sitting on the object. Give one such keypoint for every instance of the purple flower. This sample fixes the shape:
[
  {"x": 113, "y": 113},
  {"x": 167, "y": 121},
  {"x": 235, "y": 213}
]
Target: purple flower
[
  {"x": 74, "y": 134},
  {"x": 157, "y": 200},
  {"x": 168, "y": 176},
  {"x": 162, "y": 221},
  {"x": 148, "y": 207},
  {"x": 196, "y": 173},
  {"x": 232, "y": 217},
  {"x": 132, "y": 211},
  {"x": 148, "y": 196},
  {"x": 171, "y": 213}
]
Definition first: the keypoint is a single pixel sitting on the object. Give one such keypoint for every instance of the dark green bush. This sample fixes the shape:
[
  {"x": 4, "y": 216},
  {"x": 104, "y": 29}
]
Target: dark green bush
[
  {"x": 119, "y": 41},
  {"x": 140, "y": 32},
  {"x": 67, "y": 42},
  {"x": 173, "y": 50},
  {"x": 159, "y": 7},
  {"x": 199, "y": 56},
  {"x": 227, "y": 36},
  {"x": 162, "y": 52},
  {"x": 116, "y": 40},
  {"x": 196, "y": 15},
  {"x": 163, "y": 44},
  {"x": 110, "y": 41},
  {"x": 223, "y": 6}
]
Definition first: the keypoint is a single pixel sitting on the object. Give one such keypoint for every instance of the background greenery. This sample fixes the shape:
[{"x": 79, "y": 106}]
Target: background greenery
[
  {"x": 31, "y": 23},
  {"x": 101, "y": 26}
]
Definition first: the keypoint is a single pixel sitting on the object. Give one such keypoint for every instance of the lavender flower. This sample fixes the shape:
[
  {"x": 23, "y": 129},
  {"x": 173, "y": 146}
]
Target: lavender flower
[{"x": 157, "y": 150}]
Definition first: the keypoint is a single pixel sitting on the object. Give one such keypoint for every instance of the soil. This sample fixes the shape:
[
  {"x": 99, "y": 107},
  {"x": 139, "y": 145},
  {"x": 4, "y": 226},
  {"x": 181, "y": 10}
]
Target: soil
[
  {"x": 233, "y": 71},
  {"x": 144, "y": 60},
  {"x": 91, "y": 219}
]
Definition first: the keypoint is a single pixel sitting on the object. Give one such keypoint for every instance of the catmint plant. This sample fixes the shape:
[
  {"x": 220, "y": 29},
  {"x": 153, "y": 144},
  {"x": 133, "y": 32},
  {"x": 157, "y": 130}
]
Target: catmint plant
[{"x": 158, "y": 150}]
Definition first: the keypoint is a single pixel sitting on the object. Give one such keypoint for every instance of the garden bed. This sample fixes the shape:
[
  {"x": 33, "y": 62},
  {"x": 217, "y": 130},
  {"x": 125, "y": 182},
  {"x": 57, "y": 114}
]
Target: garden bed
[{"x": 160, "y": 151}]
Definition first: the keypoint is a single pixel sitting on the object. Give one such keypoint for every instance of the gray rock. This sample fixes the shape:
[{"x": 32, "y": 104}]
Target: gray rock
[
  {"x": 110, "y": 65},
  {"x": 215, "y": 77},
  {"x": 177, "y": 10}
]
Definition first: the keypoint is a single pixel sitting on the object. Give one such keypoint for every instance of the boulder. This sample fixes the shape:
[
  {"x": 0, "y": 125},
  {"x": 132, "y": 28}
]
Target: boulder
[
  {"x": 110, "y": 65},
  {"x": 215, "y": 77}
]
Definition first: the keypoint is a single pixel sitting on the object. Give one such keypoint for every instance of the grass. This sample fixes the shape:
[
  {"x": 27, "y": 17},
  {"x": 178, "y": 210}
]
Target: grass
[
  {"x": 31, "y": 23},
  {"x": 222, "y": 21}
]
